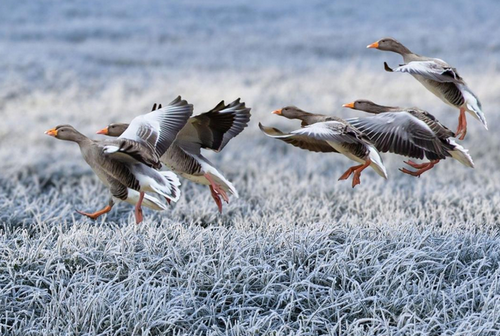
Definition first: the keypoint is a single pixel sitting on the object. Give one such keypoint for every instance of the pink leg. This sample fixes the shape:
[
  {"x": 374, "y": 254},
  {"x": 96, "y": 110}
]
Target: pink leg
[
  {"x": 416, "y": 165},
  {"x": 138, "y": 208},
  {"x": 421, "y": 169},
  {"x": 218, "y": 189},
  {"x": 216, "y": 198},
  {"x": 462, "y": 125}
]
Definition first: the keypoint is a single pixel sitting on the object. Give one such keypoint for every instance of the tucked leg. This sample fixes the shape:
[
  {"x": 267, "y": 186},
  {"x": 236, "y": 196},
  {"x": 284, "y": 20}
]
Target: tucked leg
[
  {"x": 217, "y": 191},
  {"x": 348, "y": 172},
  {"x": 416, "y": 165},
  {"x": 462, "y": 124},
  {"x": 357, "y": 173},
  {"x": 96, "y": 214},
  {"x": 423, "y": 168},
  {"x": 138, "y": 208},
  {"x": 216, "y": 198}
]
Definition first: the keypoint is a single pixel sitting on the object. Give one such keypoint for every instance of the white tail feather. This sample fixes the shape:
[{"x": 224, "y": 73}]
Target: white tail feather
[
  {"x": 164, "y": 183},
  {"x": 377, "y": 163},
  {"x": 461, "y": 154},
  {"x": 219, "y": 178},
  {"x": 148, "y": 201},
  {"x": 473, "y": 105},
  {"x": 171, "y": 188}
]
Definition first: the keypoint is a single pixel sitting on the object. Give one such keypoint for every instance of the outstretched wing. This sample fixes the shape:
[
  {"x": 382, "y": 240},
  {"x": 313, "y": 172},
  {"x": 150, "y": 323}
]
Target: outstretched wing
[
  {"x": 399, "y": 133},
  {"x": 213, "y": 129},
  {"x": 436, "y": 70},
  {"x": 158, "y": 129},
  {"x": 298, "y": 140},
  {"x": 339, "y": 134}
]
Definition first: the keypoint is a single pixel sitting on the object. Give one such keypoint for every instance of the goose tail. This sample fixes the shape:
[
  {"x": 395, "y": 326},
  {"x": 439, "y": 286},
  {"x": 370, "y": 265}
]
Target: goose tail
[
  {"x": 148, "y": 201},
  {"x": 461, "y": 154},
  {"x": 377, "y": 163},
  {"x": 473, "y": 105},
  {"x": 170, "y": 186}
]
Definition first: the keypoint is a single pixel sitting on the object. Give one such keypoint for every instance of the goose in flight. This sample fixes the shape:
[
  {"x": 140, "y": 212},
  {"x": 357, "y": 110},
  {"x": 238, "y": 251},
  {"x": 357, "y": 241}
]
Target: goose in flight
[
  {"x": 210, "y": 130},
  {"x": 325, "y": 134},
  {"x": 410, "y": 132},
  {"x": 128, "y": 165},
  {"x": 439, "y": 78}
]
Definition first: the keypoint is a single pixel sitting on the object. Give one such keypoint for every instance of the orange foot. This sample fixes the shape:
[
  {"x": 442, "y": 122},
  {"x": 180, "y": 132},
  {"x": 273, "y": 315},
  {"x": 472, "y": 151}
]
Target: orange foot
[
  {"x": 356, "y": 179},
  {"x": 348, "y": 172},
  {"x": 96, "y": 214}
]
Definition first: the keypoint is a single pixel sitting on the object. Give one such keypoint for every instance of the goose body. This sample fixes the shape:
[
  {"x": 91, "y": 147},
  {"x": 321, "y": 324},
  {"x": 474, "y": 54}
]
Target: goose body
[
  {"x": 121, "y": 182},
  {"x": 130, "y": 161},
  {"x": 211, "y": 130},
  {"x": 330, "y": 134},
  {"x": 411, "y": 132},
  {"x": 438, "y": 77}
]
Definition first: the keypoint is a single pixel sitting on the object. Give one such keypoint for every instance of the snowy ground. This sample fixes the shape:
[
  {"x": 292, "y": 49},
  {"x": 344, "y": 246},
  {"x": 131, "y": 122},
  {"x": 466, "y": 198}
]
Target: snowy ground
[{"x": 299, "y": 253}]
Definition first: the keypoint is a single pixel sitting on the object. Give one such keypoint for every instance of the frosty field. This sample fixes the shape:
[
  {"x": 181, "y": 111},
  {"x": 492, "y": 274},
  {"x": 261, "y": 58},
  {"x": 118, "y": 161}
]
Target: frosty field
[{"x": 299, "y": 253}]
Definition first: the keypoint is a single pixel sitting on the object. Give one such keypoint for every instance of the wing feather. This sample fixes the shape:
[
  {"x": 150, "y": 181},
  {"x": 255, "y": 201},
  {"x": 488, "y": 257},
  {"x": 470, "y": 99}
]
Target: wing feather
[
  {"x": 298, "y": 140},
  {"x": 149, "y": 136},
  {"x": 400, "y": 133},
  {"x": 435, "y": 70},
  {"x": 213, "y": 129}
]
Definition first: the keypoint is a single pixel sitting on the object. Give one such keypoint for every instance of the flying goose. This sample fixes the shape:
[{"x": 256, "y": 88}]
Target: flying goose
[
  {"x": 127, "y": 165},
  {"x": 438, "y": 77},
  {"x": 320, "y": 133},
  {"x": 411, "y": 132},
  {"x": 210, "y": 130}
]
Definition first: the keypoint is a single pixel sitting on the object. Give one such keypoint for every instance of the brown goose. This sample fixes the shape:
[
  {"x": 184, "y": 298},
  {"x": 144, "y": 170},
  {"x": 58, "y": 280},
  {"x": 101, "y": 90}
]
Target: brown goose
[
  {"x": 410, "y": 132},
  {"x": 126, "y": 165},
  {"x": 438, "y": 77},
  {"x": 320, "y": 133},
  {"x": 210, "y": 130}
]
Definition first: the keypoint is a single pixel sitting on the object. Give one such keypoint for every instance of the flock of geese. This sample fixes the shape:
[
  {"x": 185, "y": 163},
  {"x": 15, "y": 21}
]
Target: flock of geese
[{"x": 129, "y": 165}]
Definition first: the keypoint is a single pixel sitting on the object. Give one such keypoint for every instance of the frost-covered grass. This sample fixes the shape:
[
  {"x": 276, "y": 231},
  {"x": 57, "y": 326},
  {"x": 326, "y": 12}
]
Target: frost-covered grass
[{"x": 299, "y": 253}]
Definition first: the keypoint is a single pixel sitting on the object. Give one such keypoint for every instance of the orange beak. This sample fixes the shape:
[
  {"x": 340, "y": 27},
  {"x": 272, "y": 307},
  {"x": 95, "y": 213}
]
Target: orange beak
[
  {"x": 51, "y": 132},
  {"x": 373, "y": 45},
  {"x": 278, "y": 112},
  {"x": 350, "y": 105},
  {"x": 103, "y": 131}
]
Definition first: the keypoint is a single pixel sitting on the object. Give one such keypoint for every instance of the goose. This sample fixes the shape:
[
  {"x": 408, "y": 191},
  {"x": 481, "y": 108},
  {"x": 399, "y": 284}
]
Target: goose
[
  {"x": 127, "y": 165},
  {"x": 326, "y": 134},
  {"x": 211, "y": 130},
  {"x": 439, "y": 78},
  {"x": 411, "y": 132}
]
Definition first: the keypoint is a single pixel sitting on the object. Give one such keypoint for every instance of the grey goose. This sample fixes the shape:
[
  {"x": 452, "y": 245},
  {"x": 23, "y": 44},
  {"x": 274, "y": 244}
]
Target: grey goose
[
  {"x": 128, "y": 165},
  {"x": 411, "y": 132},
  {"x": 211, "y": 130},
  {"x": 327, "y": 134},
  {"x": 439, "y": 78}
]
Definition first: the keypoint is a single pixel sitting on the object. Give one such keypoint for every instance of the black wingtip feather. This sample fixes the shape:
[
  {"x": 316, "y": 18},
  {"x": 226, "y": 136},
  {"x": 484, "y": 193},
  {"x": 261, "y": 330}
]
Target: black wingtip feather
[{"x": 387, "y": 68}]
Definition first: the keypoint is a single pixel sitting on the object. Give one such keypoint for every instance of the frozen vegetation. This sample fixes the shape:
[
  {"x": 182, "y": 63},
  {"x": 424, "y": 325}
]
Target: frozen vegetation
[{"x": 299, "y": 253}]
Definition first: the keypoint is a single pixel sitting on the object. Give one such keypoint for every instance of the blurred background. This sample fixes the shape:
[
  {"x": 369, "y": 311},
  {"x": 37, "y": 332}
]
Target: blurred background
[
  {"x": 299, "y": 252},
  {"x": 89, "y": 63}
]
